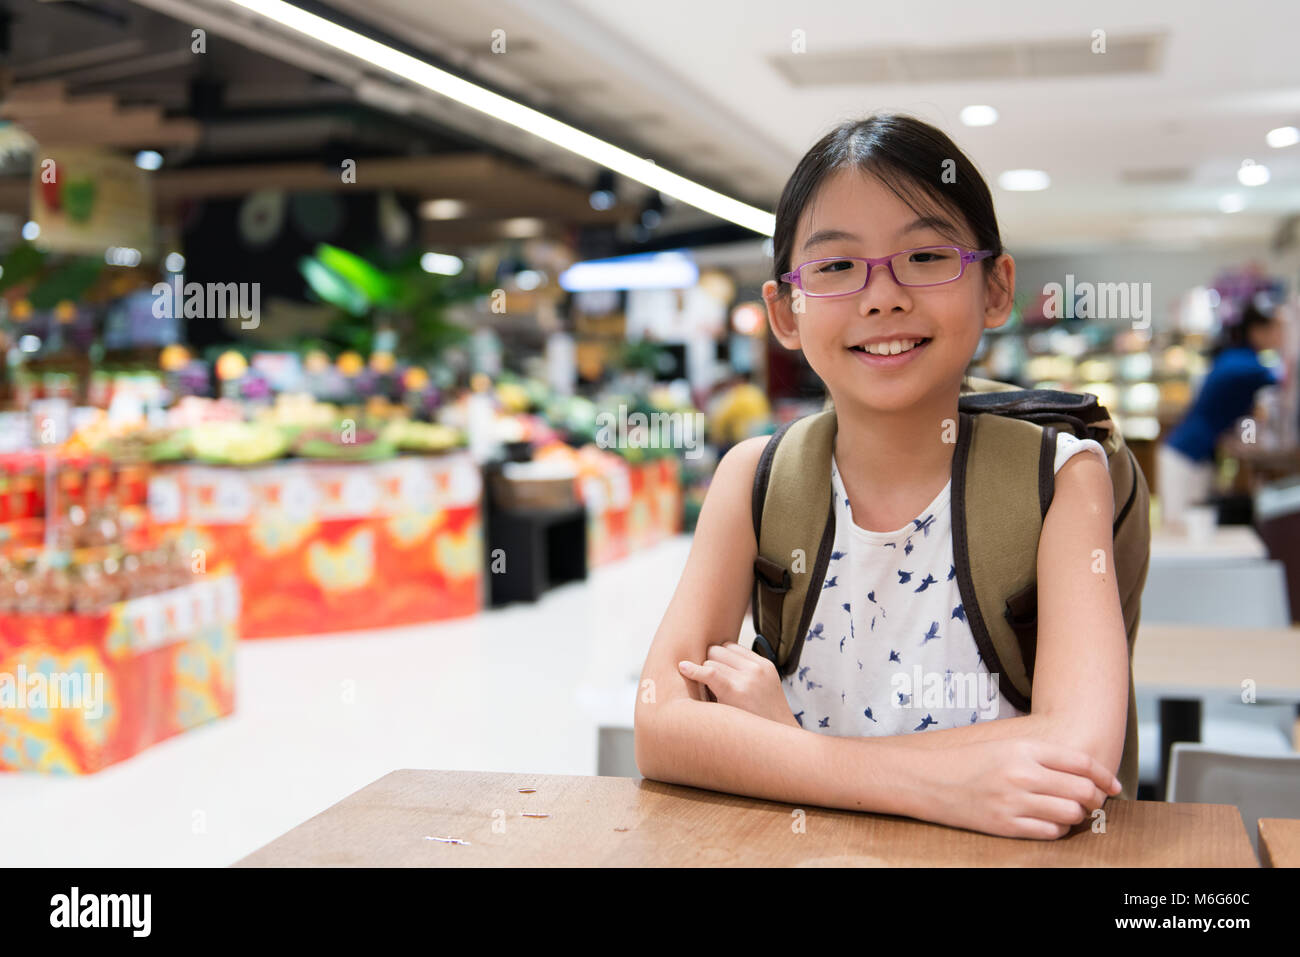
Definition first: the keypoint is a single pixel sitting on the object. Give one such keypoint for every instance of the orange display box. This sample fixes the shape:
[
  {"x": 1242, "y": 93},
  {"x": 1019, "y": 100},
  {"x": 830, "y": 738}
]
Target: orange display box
[
  {"x": 80, "y": 692},
  {"x": 324, "y": 547},
  {"x": 631, "y": 508}
]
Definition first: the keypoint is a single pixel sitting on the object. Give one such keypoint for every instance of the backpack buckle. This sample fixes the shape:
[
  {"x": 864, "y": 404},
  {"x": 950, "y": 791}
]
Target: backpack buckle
[{"x": 763, "y": 647}]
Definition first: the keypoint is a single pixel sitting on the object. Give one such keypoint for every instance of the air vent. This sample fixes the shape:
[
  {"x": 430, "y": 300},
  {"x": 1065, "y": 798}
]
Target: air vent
[
  {"x": 994, "y": 61},
  {"x": 1155, "y": 177}
]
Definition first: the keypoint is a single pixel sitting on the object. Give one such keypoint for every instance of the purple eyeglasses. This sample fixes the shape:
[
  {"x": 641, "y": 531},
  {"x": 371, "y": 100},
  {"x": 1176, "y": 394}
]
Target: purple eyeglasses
[{"x": 845, "y": 275}]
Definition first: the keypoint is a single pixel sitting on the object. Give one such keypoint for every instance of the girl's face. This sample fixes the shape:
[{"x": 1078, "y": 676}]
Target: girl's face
[{"x": 853, "y": 214}]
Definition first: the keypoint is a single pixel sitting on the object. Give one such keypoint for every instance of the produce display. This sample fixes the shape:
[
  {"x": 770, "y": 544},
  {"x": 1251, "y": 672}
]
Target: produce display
[{"x": 237, "y": 443}]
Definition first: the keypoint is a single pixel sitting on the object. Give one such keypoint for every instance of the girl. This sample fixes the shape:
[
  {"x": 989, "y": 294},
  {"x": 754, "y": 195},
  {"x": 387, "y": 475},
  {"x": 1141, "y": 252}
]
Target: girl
[{"x": 891, "y": 342}]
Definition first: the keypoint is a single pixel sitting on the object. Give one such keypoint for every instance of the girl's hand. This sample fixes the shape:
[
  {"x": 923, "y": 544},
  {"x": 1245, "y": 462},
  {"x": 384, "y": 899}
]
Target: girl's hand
[
  {"x": 1018, "y": 787},
  {"x": 742, "y": 678}
]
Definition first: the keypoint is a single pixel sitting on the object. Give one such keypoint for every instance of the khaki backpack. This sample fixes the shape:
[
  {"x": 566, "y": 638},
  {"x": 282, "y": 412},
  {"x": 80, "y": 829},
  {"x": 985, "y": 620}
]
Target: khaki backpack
[{"x": 1002, "y": 484}]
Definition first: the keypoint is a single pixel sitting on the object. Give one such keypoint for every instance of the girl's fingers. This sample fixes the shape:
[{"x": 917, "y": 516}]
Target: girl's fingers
[
  {"x": 1056, "y": 810},
  {"x": 1081, "y": 763},
  {"x": 1040, "y": 830},
  {"x": 1073, "y": 787},
  {"x": 731, "y": 652}
]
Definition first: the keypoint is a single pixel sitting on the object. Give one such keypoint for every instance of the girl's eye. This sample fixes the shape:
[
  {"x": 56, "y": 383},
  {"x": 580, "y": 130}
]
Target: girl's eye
[
  {"x": 838, "y": 265},
  {"x": 930, "y": 256}
]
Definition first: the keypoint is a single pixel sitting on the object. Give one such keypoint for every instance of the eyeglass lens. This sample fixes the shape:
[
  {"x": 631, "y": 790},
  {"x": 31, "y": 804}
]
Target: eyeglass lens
[{"x": 917, "y": 267}]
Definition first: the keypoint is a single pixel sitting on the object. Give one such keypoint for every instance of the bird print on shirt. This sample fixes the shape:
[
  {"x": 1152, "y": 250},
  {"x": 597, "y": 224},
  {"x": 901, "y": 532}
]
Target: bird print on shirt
[
  {"x": 924, "y": 525},
  {"x": 816, "y": 632},
  {"x": 824, "y": 722},
  {"x": 952, "y": 570},
  {"x": 869, "y": 716},
  {"x": 926, "y": 582},
  {"x": 932, "y": 633},
  {"x": 830, "y": 582},
  {"x": 904, "y": 577},
  {"x": 837, "y": 555},
  {"x": 925, "y": 723},
  {"x": 893, "y": 656},
  {"x": 959, "y": 613}
]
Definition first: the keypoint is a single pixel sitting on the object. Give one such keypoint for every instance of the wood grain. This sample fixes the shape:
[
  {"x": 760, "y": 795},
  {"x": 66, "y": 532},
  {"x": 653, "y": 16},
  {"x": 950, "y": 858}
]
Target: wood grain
[
  {"x": 628, "y": 822},
  {"x": 1279, "y": 842}
]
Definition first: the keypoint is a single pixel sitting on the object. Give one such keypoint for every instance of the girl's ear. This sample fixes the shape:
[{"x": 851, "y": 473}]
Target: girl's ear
[
  {"x": 1000, "y": 292},
  {"x": 780, "y": 315}
]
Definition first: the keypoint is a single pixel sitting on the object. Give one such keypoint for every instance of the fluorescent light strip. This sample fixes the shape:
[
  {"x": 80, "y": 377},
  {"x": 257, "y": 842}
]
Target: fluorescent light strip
[{"x": 516, "y": 114}]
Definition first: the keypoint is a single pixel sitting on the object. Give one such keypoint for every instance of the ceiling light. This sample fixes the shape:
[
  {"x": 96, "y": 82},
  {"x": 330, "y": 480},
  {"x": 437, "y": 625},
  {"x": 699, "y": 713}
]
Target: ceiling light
[
  {"x": 522, "y": 227},
  {"x": 1283, "y": 136},
  {"x": 442, "y": 209},
  {"x": 516, "y": 114},
  {"x": 149, "y": 159},
  {"x": 441, "y": 264},
  {"x": 1024, "y": 180},
  {"x": 979, "y": 115},
  {"x": 174, "y": 262},
  {"x": 1231, "y": 203},
  {"x": 1252, "y": 173},
  {"x": 31, "y": 229}
]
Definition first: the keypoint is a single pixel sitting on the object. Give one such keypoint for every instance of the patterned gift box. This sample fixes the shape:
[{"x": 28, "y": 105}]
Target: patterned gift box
[
  {"x": 81, "y": 692},
  {"x": 326, "y": 547}
]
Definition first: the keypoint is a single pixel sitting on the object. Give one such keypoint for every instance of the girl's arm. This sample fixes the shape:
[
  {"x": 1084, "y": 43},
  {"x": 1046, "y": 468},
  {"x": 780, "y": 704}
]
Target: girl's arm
[{"x": 1080, "y": 693}]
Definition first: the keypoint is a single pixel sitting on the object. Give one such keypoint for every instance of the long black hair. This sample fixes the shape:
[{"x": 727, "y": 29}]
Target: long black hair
[
  {"x": 923, "y": 167},
  {"x": 1237, "y": 335}
]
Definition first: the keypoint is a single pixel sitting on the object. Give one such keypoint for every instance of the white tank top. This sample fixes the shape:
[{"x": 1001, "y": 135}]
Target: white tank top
[{"x": 889, "y": 650}]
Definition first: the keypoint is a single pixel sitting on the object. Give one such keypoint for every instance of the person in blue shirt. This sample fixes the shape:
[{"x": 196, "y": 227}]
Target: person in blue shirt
[{"x": 1186, "y": 458}]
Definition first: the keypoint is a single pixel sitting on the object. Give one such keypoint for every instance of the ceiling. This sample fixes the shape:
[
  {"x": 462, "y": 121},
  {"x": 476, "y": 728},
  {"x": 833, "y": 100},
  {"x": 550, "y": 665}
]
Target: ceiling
[{"x": 1141, "y": 141}]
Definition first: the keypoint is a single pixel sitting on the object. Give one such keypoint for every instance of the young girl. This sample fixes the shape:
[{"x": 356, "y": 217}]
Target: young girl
[{"x": 892, "y": 344}]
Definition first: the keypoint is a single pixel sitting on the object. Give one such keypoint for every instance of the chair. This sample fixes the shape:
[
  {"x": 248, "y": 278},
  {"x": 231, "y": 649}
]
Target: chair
[{"x": 1258, "y": 785}]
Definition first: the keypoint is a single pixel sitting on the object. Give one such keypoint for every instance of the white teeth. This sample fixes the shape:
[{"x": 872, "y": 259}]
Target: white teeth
[{"x": 892, "y": 348}]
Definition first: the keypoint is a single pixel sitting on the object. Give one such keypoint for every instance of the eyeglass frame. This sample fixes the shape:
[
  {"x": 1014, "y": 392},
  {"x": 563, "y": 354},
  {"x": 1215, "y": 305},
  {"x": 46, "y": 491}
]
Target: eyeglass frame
[{"x": 967, "y": 257}]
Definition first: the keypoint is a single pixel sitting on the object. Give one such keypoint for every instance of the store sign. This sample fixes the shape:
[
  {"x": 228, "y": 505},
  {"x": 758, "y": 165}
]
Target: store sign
[{"x": 88, "y": 200}]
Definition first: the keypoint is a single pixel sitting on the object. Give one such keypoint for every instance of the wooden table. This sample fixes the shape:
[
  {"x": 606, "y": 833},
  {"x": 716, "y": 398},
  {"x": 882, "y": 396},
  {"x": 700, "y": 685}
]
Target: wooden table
[
  {"x": 1180, "y": 664},
  {"x": 1279, "y": 842},
  {"x": 624, "y": 822}
]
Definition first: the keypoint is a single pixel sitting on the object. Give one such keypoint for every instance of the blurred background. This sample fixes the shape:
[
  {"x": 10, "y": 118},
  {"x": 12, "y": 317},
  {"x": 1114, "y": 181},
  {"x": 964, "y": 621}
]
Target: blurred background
[{"x": 413, "y": 331}]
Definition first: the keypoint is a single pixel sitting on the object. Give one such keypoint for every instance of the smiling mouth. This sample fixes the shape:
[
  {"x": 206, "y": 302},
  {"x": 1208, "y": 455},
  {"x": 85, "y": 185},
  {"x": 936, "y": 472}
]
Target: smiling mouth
[{"x": 894, "y": 348}]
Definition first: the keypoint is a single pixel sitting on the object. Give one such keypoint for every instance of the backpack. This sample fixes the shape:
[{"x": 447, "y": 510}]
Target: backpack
[{"x": 1002, "y": 484}]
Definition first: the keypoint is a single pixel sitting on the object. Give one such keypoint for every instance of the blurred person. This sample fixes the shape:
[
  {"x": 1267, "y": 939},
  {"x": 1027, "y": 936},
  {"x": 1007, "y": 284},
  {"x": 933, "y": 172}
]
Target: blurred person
[
  {"x": 1185, "y": 460},
  {"x": 738, "y": 411}
]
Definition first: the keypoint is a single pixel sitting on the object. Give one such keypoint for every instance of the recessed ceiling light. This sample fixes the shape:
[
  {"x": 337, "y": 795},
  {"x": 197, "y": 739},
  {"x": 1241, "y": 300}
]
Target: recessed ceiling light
[
  {"x": 441, "y": 264},
  {"x": 1231, "y": 203},
  {"x": 1283, "y": 136},
  {"x": 1024, "y": 180},
  {"x": 1252, "y": 173},
  {"x": 979, "y": 115},
  {"x": 442, "y": 209},
  {"x": 522, "y": 227}
]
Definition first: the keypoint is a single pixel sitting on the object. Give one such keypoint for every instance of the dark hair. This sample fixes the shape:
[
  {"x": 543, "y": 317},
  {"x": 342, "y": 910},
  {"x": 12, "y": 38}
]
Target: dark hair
[
  {"x": 1236, "y": 335},
  {"x": 906, "y": 155}
]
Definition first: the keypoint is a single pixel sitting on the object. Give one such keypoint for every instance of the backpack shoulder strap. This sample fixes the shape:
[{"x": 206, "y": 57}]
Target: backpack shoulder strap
[
  {"x": 1003, "y": 479},
  {"x": 794, "y": 526}
]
